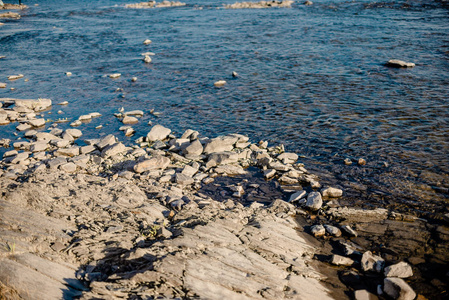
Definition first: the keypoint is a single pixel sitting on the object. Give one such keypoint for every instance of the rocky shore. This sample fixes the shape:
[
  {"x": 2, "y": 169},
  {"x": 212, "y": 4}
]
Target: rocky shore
[
  {"x": 184, "y": 216},
  {"x": 191, "y": 217}
]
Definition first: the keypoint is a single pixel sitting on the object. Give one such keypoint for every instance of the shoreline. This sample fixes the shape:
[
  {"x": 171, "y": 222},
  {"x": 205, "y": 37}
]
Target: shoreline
[
  {"x": 190, "y": 216},
  {"x": 165, "y": 193}
]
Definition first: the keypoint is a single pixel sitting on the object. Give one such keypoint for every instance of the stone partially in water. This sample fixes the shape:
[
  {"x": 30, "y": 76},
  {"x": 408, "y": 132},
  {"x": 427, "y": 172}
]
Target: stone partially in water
[
  {"x": 219, "y": 83},
  {"x": 396, "y": 63}
]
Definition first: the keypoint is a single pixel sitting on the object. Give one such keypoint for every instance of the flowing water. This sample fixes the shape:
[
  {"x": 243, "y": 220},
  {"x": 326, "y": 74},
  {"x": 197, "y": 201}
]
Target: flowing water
[{"x": 310, "y": 77}]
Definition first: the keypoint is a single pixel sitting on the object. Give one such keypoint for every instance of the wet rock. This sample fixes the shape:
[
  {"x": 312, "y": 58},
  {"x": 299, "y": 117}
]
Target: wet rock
[
  {"x": 339, "y": 260},
  {"x": 332, "y": 230},
  {"x": 371, "y": 262},
  {"x": 318, "y": 230},
  {"x": 154, "y": 163},
  {"x": 361, "y": 162},
  {"x": 158, "y": 132},
  {"x": 137, "y": 113},
  {"x": 397, "y": 288},
  {"x": 147, "y": 42},
  {"x": 314, "y": 201},
  {"x": 2, "y": 85},
  {"x": 147, "y": 59},
  {"x": 400, "y": 270},
  {"x": 235, "y": 74},
  {"x": 396, "y": 63},
  {"x": 23, "y": 127},
  {"x": 115, "y": 75},
  {"x": 331, "y": 192},
  {"x": 308, "y": 2},
  {"x": 129, "y": 120},
  {"x": 219, "y": 83}
]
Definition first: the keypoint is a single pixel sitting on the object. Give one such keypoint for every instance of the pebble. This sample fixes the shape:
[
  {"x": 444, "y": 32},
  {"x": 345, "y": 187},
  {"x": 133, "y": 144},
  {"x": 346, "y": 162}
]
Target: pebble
[
  {"x": 331, "y": 192},
  {"x": 134, "y": 79},
  {"x": 348, "y": 162},
  {"x": 235, "y": 74},
  {"x": 361, "y": 162},
  {"x": 68, "y": 73},
  {"x": 147, "y": 59},
  {"x": 3, "y": 85},
  {"x": 115, "y": 75},
  {"x": 63, "y": 103},
  {"x": 147, "y": 42}
]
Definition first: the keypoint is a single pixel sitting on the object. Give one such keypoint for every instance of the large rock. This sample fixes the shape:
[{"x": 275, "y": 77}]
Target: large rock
[
  {"x": 398, "y": 289},
  {"x": 288, "y": 158},
  {"x": 154, "y": 163},
  {"x": 220, "y": 144},
  {"x": 158, "y": 132},
  {"x": 314, "y": 201},
  {"x": 106, "y": 141},
  {"x": 400, "y": 270},
  {"x": 113, "y": 150},
  {"x": 331, "y": 192}
]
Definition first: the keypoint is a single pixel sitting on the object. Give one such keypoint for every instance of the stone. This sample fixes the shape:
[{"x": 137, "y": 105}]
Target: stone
[
  {"x": 308, "y": 2},
  {"x": 115, "y": 75},
  {"x": 87, "y": 149},
  {"x": 195, "y": 148},
  {"x": 396, "y": 63},
  {"x": 38, "y": 146},
  {"x": 19, "y": 157},
  {"x": 158, "y": 132},
  {"x": 36, "y": 105},
  {"x": 349, "y": 231},
  {"x": 400, "y": 270},
  {"x": 42, "y": 136},
  {"x": 288, "y": 158},
  {"x": 147, "y": 42},
  {"x": 137, "y": 113},
  {"x": 10, "y": 153},
  {"x": 332, "y": 230},
  {"x": 129, "y": 120},
  {"x": 279, "y": 166},
  {"x": 361, "y": 162},
  {"x": 189, "y": 171},
  {"x": 339, "y": 260},
  {"x": 297, "y": 196},
  {"x": 238, "y": 191},
  {"x": 331, "y": 192},
  {"x": 60, "y": 143},
  {"x": 269, "y": 173},
  {"x": 76, "y": 123},
  {"x": 364, "y": 295},
  {"x": 113, "y": 150},
  {"x": 219, "y": 83},
  {"x": 314, "y": 201},
  {"x": 154, "y": 163},
  {"x": 258, "y": 5},
  {"x": 220, "y": 144},
  {"x": 224, "y": 158},
  {"x": 183, "y": 179},
  {"x": 3, "y": 85},
  {"x": 106, "y": 141},
  {"x": 37, "y": 122},
  {"x": 398, "y": 289},
  {"x": 371, "y": 262},
  {"x": 75, "y": 133},
  {"x": 56, "y": 162},
  {"x": 70, "y": 152},
  {"x": 85, "y": 118},
  {"x": 68, "y": 167},
  {"x": 235, "y": 74},
  {"x": 23, "y": 127},
  {"x": 147, "y": 59},
  {"x": 318, "y": 230}
]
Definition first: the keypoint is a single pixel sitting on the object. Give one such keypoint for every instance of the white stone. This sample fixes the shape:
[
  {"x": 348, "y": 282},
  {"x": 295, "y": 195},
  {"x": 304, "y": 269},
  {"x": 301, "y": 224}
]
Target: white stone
[
  {"x": 397, "y": 288},
  {"x": 158, "y": 132},
  {"x": 399, "y": 64},
  {"x": 219, "y": 83},
  {"x": 400, "y": 270},
  {"x": 371, "y": 262},
  {"x": 318, "y": 230},
  {"x": 332, "y": 230},
  {"x": 339, "y": 260},
  {"x": 297, "y": 196},
  {"x": 331, "y": 192},
  {"x": 129, "y": 120}
]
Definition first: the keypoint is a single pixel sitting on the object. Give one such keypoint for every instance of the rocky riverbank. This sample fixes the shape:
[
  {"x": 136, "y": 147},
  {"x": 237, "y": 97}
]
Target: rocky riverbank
[{"x": 190, "y": 216}]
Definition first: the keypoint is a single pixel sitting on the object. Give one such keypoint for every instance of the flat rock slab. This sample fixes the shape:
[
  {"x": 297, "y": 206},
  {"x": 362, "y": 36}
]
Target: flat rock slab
[{"x": 34, "y": 104}]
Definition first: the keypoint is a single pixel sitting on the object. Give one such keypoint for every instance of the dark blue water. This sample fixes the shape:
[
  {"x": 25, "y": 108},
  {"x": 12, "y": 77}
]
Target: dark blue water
[{"x": 311, "y": 77}]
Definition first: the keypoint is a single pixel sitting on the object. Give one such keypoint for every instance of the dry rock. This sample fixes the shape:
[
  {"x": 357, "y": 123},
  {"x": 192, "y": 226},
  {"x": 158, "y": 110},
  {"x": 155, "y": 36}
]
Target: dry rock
[
  {"x": 154, "y": 163},
  {"x": 398, "y": 289},
  {"x": 400, "y": 270},
  {"x": 158, "y": 132}
]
